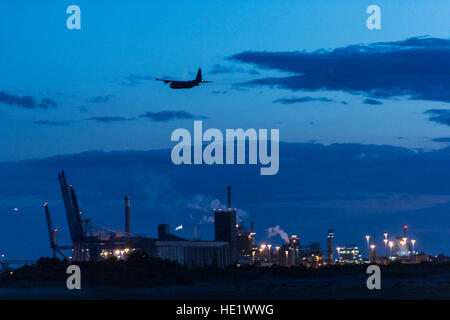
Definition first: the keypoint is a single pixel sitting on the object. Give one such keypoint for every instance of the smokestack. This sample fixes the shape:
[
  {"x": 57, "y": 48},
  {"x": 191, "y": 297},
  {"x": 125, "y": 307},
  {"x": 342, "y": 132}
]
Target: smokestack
[
  {"x": 404, "y": 231},
  {"x": 251, "y": 228},
  {"x": 330, "y": 245},
  {"x": 229, "y": 197},
  {"x": 195, "y": 232},
  {"x": 127, "y": 215}
]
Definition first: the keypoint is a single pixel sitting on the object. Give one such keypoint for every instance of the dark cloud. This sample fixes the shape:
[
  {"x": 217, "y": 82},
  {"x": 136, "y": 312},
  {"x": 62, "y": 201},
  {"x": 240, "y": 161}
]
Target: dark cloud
[
  {"x": 441, "y": 116},
  {"x": 444, "y": 139},
  {"x": 219, "y": 68},
  {"x": 161, "y": 116},
  {"x": 109, "y": 119},
  {"x": 46, "y": 102},
  {"x": 302, "y": 100},
  {"x": 164, "y": 116},
  {"x": 134, "y": 79},
  {"x": 417, "y": 67},
  {"x": 372, "y": 102},
  {"x": 27, "y": 102},
  {"x": 52, "y": 123},
  {"x": 101, "y": 99}
]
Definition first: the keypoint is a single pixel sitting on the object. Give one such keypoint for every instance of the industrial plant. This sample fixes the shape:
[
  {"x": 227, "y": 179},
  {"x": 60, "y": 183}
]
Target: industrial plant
[
  {"x": 233, "y": 245},
  {"x": 102, "y": 243}
]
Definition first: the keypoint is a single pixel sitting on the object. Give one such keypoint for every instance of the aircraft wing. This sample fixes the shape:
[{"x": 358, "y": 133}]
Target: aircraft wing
[{"x": 165, "y": 80}]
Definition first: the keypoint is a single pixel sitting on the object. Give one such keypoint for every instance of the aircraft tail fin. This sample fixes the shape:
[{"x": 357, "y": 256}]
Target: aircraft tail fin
[{"x": 198, "y": 78}]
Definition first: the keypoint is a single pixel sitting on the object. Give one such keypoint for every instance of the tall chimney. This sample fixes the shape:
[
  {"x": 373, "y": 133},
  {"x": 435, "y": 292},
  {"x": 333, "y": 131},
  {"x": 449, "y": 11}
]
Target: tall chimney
[
  {"x": 195, "y": 232},
  {"x": 330, "y": 246},
  {"x": 229, "y": 197},
  {"x": 252, "y": 229},
  {"x": 127, "y": 215}
]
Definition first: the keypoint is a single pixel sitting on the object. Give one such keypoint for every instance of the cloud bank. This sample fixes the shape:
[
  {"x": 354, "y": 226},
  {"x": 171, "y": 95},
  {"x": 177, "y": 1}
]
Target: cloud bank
[
  {"x": 27, "y": 102},
  {"x": 441, "y": 116},
  {"x": 418, "y": 68},
  {"x": 302, "y": 100},
  {"x": 164, "y": 116}
]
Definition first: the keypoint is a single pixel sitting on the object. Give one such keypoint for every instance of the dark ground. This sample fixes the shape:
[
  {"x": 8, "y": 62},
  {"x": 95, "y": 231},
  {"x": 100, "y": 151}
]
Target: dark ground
[{"x": 146, "y": 278}]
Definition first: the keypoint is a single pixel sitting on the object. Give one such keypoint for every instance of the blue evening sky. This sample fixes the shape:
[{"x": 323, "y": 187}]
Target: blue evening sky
[
  {"x": 41, "y": 58},
  {"x": 272, "y": 66}
]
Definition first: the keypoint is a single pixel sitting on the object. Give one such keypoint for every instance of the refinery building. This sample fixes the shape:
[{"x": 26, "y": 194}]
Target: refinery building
[
  {"x": 88, "y": 244},
  {"x": 233, "y": 243}
]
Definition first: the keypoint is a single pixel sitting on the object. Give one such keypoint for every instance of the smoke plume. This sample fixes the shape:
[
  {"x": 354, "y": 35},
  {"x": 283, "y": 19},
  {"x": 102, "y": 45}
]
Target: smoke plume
[{"x": 273, "y": 231}]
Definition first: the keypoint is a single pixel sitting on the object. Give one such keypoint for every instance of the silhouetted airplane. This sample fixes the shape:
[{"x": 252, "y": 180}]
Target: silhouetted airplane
[{"x": 174, "y": 84}]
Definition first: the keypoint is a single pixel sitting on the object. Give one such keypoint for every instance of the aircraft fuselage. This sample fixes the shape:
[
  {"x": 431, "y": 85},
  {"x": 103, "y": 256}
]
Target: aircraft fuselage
[{"x": 183, "y": 84}]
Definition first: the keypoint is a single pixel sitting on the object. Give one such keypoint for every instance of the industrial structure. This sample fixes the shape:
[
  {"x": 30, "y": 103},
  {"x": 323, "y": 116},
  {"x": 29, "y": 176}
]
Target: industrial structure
[
  {"x": 233, "y": 243},
  {"x": 94, "y": 243},
  {"x": 397, "y": 249},
  {"x": 330, "y": 245},
  {"x": 245, "y": 243},
  {"x": 225, "y": 227},
  {"x": 349, "y": 254}
]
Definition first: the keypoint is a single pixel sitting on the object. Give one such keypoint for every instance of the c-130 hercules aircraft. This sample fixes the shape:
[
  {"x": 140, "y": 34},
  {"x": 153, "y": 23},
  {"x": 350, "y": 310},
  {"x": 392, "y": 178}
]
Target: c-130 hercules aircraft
[{"x": 174, "y": 84}]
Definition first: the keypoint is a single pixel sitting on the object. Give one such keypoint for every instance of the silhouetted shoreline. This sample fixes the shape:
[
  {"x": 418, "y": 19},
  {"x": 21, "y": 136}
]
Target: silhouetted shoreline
[{"x": 141, "y": 277}]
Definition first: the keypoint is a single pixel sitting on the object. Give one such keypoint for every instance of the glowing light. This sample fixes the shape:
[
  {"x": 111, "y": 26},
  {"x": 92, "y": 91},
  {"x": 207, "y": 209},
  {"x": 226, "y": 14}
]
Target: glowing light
[{"x": 372, "y": 246}]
